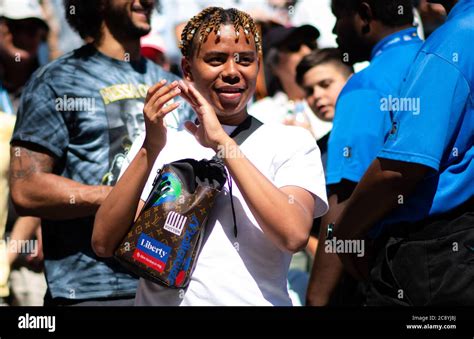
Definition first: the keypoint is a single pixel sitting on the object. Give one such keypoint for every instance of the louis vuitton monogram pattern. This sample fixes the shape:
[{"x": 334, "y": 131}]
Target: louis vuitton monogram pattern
[{"x": 151, "y": 222}]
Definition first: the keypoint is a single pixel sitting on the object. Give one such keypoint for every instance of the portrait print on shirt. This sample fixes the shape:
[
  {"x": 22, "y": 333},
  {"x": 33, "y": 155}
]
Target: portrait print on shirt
[{"x": 124, "y": 111}]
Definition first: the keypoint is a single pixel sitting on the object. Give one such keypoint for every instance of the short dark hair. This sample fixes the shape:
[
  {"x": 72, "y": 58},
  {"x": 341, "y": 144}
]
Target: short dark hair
[
  {"x": 392, "y": 13},
  {"x": 85, "y": 16},
  {"x": 322, "y": 57}
]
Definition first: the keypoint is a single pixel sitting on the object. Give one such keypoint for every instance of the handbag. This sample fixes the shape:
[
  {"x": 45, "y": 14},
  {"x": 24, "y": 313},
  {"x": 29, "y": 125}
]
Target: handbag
[{"x": 164, "y": 242}]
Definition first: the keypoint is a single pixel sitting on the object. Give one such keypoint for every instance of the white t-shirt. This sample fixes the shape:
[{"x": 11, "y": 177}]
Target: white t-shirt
[{"x": 249, "y": 269}]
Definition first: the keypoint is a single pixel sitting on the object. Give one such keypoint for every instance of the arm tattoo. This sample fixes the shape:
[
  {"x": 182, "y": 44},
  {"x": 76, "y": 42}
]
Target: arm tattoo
[{"x": 25, "y": 162}]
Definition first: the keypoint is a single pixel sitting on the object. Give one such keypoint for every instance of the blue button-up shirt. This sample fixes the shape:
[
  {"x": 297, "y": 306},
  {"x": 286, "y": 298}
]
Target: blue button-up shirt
[
  {"x": 440, "y": 133},
  {"x": 363, "y": 116}
]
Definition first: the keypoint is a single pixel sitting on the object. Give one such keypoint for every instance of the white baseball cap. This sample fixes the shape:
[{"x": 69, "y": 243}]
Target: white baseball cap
[{"x": 22, "y": 9}]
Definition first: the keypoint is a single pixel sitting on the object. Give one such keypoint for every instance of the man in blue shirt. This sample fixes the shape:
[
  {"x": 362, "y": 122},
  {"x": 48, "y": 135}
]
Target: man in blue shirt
[
  {"x": 421, "y": 184},
  {"x": 382, "y": 32}
]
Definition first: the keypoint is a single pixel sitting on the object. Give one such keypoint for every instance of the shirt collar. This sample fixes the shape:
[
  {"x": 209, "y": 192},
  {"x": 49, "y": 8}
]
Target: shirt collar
[
  {"x": 229, "y": 129},
  {"x": 400, "y": 37},
  {"x": 139, "y": 65}
]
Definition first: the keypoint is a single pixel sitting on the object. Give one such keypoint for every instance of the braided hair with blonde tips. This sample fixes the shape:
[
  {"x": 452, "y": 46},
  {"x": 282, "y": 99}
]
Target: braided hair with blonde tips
[{"x": 210, "y": 20}]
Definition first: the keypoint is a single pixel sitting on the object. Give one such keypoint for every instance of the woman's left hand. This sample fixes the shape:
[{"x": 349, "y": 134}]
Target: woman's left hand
[{"x": 209, "y": 133}]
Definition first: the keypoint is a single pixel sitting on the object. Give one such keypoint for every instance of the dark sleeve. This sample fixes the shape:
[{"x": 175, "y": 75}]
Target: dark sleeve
[
  {"x": 38, "y": 120},
  {"x": 424, "y": 133}
]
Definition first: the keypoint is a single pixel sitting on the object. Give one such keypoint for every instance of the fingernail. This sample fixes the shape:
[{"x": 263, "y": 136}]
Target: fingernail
[
  {"x": 174, "y": 83},
  {"x": 163, "y": 81},
  {"x": 177, "y": 91}
]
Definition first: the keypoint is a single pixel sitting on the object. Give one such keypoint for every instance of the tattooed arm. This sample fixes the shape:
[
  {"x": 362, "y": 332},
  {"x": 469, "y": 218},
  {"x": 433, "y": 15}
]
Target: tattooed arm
[{"x": 36, "y": 191}]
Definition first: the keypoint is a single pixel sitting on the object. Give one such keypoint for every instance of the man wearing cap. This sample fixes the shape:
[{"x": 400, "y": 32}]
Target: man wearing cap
[
  {"x": 283, "y": 49},
  {"x": 22, "y": 29},
  {"x": 69, "y": 134},
  {"x": 382, "y": 32},
  {"x": 420, "y": 186}
]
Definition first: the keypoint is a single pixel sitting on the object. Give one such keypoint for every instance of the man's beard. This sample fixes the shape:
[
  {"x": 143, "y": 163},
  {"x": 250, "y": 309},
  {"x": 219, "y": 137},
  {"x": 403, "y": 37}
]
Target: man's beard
[{"x": 121, "y": 24}]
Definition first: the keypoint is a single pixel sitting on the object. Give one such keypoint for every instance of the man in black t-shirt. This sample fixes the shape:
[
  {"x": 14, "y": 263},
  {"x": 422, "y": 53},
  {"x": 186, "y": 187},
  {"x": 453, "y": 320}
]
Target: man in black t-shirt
[{"x": 70, "y": 138}]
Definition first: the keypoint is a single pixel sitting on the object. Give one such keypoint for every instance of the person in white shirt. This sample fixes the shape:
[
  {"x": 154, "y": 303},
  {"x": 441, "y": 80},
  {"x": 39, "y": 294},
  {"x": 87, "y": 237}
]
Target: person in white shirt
[{"x": 277, "y": 176}]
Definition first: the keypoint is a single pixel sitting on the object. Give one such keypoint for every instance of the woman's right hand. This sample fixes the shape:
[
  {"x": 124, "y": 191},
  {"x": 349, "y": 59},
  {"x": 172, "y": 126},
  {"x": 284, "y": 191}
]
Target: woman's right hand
[{"x": 157, "y": 106}]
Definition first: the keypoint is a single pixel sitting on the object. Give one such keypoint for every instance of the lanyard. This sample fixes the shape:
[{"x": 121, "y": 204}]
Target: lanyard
[
  {"x": 240, "y": 134},
  {"x": 398, "y": 38}
]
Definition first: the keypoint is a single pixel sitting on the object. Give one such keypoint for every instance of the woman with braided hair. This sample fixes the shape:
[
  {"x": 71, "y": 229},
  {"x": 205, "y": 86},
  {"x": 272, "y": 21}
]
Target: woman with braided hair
[{"x": 276, "y": 178}]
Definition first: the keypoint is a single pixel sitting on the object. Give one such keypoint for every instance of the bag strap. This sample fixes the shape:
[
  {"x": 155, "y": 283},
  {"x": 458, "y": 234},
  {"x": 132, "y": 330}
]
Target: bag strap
[
  {"x": 240, "y": 134},
  {"x": 245, "y": 129}
]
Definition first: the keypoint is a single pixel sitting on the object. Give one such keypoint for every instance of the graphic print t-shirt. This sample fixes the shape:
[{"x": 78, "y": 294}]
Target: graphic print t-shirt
[{"x": 86, "y": 109}]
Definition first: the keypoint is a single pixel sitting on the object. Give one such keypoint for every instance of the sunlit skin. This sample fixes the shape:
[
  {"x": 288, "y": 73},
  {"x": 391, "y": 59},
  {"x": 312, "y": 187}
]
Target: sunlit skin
[
  {"x": 141, "y": 15},
  {"x": 138, "y": 11},
  {"x": 322, "y": 85},
  {"x": 225, "y": 72}
]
